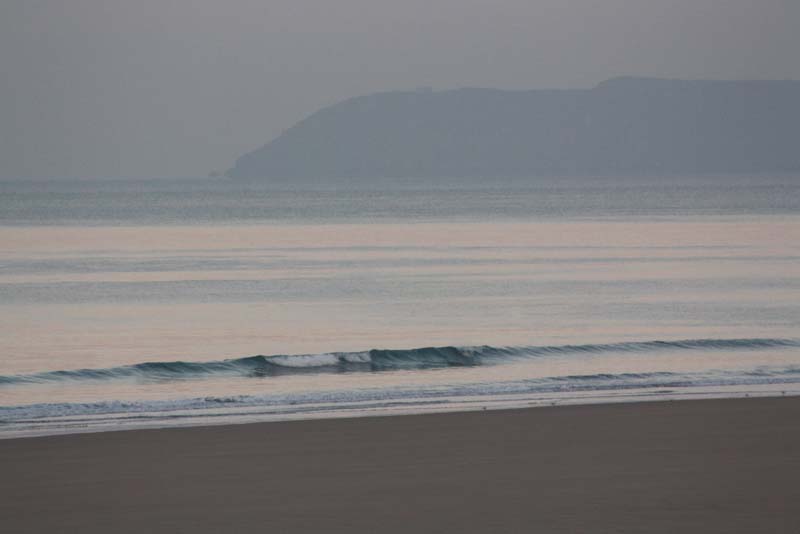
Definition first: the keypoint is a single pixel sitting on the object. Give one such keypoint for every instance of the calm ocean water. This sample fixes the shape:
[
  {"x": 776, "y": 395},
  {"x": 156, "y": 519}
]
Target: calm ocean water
[{"x": 137, "y": 303}]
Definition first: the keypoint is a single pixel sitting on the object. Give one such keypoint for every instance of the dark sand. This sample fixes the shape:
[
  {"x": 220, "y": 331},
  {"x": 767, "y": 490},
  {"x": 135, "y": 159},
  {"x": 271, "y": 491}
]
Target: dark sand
[{"x": 673, "y": 467}]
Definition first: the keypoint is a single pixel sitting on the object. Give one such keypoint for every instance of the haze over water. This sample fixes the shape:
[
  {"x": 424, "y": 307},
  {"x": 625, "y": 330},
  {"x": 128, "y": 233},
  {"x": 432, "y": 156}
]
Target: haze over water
[{"x": 556, "y": 292}]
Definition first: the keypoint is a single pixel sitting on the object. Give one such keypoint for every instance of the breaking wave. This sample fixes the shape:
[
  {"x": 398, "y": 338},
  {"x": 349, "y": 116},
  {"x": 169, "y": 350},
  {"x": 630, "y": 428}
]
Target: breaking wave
[{"x": 376, "y": 360}]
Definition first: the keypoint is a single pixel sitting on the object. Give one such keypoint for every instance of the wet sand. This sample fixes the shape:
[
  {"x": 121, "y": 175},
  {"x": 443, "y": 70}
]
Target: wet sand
[{"x": 711, "y": 466}]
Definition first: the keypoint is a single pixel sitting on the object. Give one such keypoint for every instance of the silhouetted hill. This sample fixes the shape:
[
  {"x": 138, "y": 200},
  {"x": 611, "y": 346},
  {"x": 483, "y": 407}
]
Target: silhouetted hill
[{"x": 622, "y": 126}]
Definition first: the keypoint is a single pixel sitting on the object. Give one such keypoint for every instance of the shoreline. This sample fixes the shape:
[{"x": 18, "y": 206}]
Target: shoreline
[
  {"x": 490, "y": 403},
  {"x": 721, "y": 465}
]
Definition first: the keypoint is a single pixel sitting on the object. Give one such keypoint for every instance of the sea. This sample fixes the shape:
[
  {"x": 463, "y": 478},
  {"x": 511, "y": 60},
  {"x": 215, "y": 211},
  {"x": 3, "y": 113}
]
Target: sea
[{"x": 148, "y": 303}]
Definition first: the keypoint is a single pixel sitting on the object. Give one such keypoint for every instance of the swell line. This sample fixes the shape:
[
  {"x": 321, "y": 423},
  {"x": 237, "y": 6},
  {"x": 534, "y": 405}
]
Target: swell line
[{"x": 375, "y": 360}]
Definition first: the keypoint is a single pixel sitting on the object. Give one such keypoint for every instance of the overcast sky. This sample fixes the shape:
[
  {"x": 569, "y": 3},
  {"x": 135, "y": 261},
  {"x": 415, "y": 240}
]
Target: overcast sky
[{"x": 160, "y": 88}]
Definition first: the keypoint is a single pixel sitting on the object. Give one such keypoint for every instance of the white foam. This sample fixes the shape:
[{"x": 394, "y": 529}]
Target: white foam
[
  {"x": 305, "y": 360},
  {"x": 356, "y": 357}
]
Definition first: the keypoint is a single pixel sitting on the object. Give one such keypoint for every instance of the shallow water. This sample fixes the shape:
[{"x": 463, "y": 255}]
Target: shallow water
[{"x": 108, "y": 276}]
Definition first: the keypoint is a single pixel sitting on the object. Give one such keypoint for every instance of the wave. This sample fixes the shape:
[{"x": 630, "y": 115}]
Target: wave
[
  {"x": 295, "y": 404},
  {"x": 375, "y": 360}
]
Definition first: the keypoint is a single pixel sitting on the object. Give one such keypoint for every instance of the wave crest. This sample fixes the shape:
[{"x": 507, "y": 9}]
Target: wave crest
[{"x": 376, "y": 360}]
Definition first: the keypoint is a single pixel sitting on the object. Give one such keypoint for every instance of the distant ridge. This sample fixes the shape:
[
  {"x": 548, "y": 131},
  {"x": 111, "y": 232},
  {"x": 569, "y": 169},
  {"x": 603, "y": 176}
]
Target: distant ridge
[{"x": 622, "y": 126}]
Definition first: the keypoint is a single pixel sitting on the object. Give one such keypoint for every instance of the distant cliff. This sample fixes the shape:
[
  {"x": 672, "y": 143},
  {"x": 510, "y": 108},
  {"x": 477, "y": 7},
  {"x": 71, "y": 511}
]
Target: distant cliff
[{"x": 622, "y": 126}]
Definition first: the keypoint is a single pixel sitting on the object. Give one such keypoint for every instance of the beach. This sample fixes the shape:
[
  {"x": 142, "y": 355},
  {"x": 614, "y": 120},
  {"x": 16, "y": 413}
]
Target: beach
[{"x": 688, "y": 466}]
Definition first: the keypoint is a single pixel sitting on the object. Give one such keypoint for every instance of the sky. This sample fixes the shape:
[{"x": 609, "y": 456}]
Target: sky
[{"x": 172, "y": 88}]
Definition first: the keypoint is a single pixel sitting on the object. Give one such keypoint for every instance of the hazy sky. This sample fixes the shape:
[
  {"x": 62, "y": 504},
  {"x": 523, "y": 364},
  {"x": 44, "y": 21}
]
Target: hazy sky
[{"x": 180, "y": 87}]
